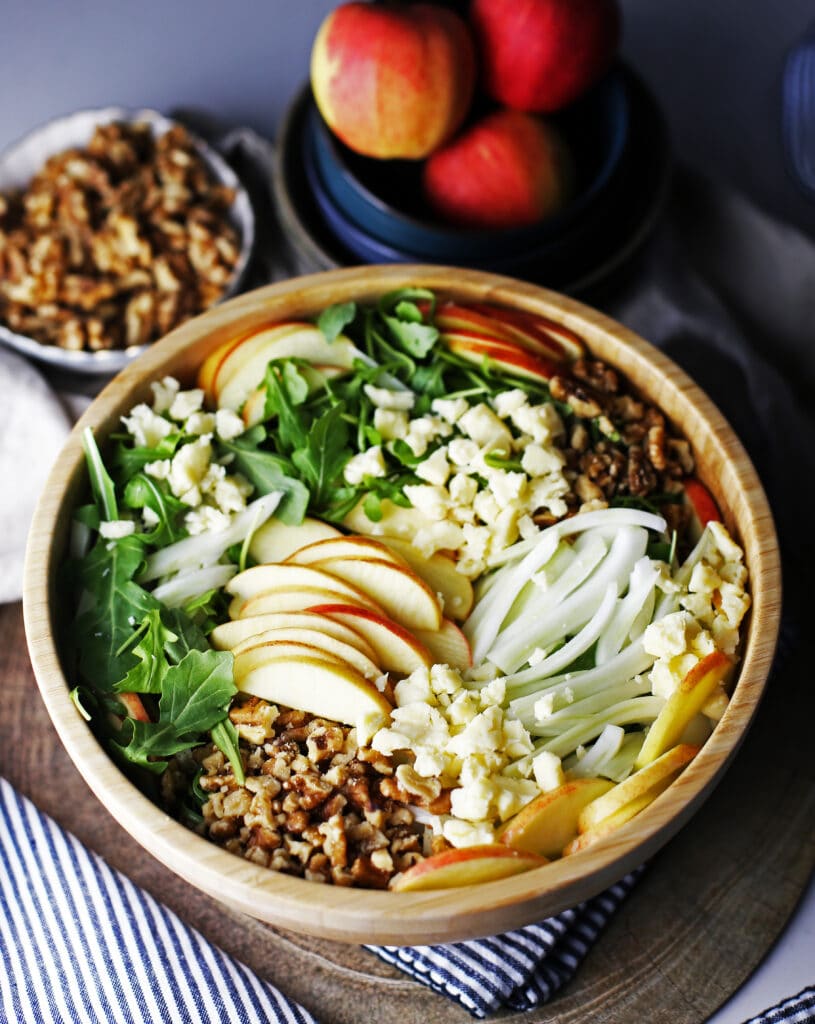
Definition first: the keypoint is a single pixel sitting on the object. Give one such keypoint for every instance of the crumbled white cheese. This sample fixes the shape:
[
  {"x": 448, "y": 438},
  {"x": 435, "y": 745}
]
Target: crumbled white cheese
[
  {"x": 228, "y": 425},
  {"x": 368, "y": 463},
  {"x": 385, "y": 398},
  {"x": 391, "y": 424},
  {"x": 115, "y": 529},
  {"x": 185, "y": 404},
  {"x": 146, "y": 427}
]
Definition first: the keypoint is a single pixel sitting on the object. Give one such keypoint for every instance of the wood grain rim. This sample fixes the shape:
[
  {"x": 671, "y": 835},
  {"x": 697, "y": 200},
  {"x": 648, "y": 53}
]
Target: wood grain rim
[{"x": 362, "y": 916}]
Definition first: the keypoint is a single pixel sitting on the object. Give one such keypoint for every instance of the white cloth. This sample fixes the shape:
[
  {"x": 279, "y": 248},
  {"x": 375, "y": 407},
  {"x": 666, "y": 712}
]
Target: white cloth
[{"x": 33, "y": 428}]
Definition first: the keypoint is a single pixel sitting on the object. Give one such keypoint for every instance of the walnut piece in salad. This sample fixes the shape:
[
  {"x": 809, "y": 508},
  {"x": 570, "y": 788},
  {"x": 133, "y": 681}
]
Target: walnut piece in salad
[{"x": 387, "y": 591}]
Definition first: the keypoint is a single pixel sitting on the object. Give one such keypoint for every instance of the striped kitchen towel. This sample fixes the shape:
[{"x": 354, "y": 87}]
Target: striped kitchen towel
[
  {"x": 796, "y": 1010},
  {"x": 518, "y": 970},
  {"x": 80, "y": 943}
]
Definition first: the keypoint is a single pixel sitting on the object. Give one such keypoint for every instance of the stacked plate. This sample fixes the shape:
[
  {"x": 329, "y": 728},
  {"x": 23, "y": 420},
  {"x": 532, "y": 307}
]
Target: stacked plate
[{"x": 339, "y": 208}]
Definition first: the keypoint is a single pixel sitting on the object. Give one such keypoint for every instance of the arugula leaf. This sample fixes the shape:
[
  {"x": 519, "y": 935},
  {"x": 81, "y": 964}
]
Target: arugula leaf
[
  {"x": 143, "y": 492},
  {"x": 323, "y": 457},
  {"x": 290, "y": 430},
  {"x": 197, "y": 691},
  {"x": 147, "y": 675},
  {"x": 416, "y": 339},
  {"x": 117, "y": 605},
  {"x": 104, "y": 495},
  {"x": 268, "y": 472},
  {"x": 332, "y": 320},
  {"x": 128, "y": 460},
  {"x": 195, "y": 697},
  {"x": 225, "y": 738},
  {"x": 183, "y": 634}
]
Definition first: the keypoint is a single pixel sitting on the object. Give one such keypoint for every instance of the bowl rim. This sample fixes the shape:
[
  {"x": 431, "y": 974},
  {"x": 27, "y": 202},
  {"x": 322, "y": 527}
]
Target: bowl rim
[
  {"x": 425, "y": 232},
  {"x": 361, "y": 916},
  {"x": 78, "y": 127}
]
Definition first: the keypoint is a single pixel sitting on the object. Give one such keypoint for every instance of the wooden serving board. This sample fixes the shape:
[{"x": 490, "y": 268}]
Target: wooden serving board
[{"x": 701, "y": 919}]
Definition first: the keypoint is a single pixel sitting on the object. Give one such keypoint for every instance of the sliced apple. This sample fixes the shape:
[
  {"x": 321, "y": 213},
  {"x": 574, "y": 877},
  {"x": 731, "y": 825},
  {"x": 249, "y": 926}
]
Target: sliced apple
[
  {"x": 248, "y": 660},
  {"x": 322, "y": 642},
  {"x": 396, "y": 521},
  {"x": 507, "y": 355},
  {"x": 403, "y": 595},
  {"x": 228, "y": 635},
  {"x": 342, "y": 546},
  {"x": 653, "y": 778},
  {"x": 467, "y": 866},
  {"x": 546, "y": 824},
  {"x": 533, "y": 330},
  {"x": 133, "y": 703},
  {"x": 687, "y": 700},
  {"x": 244, "y": 366},
  {"x": 274, "y": 541},
  {"x": 395, "y": 649},
  {"x": 704, "y": 508},
  {"x": 610, "y": 824},
  {"x": 440, "y": 574},
  {"x": 265, "y": 579},
  {"x": 448, "y": 645},
  {"x": 210, "y": 366},
  {"x": 300, "y": 600},
  {"x": 315, "y": 685}
]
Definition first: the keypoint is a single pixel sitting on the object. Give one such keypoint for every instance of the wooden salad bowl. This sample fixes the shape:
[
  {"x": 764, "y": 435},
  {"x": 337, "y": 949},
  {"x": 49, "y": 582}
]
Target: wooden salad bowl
[{"x": 363, "y": 916}]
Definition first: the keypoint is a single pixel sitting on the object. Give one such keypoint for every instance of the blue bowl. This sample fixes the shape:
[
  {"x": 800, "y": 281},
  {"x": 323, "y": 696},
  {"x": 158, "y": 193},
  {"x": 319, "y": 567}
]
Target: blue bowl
[{"x": 383, "y": 199}]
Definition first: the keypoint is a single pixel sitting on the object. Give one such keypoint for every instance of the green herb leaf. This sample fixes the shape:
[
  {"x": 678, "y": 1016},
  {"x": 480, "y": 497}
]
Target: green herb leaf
[
  {"x": 332, "y": 320},
  {"x": 225, "y": 738},
  {"x": 117, "y": 605},
  {"x": 268, "y": 472},
  {"x": 102, "y": 488},
  {"x": 324, "y": 456},
  {"x": 197, "y": 691},
  {"x": 147, "y": 675},
  {"x": 143, "y": 492}
]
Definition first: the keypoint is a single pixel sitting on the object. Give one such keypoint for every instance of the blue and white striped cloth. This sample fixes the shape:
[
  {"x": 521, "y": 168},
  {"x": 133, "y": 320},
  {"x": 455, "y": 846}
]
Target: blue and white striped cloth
[
  {"x": 80, "y": 943},
  {"x": 796, "y": 1010},
  {"x": 517, "y": 970}
]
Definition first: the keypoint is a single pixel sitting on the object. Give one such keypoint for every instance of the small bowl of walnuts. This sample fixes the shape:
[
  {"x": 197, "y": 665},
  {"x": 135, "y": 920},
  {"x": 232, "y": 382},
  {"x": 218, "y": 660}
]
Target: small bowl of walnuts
[{"x": 115, "y": 227}]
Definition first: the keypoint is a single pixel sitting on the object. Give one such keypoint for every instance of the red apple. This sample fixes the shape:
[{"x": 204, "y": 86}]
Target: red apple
[
  {"x": 393, "y": 81},
  {"x": 507, "y": 170},
  {"x": 539, "y": 55}
]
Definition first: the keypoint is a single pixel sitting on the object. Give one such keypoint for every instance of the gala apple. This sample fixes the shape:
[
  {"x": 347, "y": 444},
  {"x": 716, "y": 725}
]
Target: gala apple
[
  {"x": 540, "y": 55},
  {"x": 507, "y": 170},
  {"x": 393, "y": 81}
]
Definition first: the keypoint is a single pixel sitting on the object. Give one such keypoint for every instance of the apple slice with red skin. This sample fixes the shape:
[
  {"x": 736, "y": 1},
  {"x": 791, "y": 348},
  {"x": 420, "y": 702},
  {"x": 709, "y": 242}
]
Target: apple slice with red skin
[
  {"x": 448, "y": 645},
  {"x": 705, "y": 509},
  {"x": 395, "y": 649},
  {"x": 469, "y": 865},
  {"x": 211, "y": 365},
  {"x": 546, "y": 824},
  {"x": 320, "y": 641},
  {"x": 313, "y": 684},
  {"x": 135, "y": 708},
  {"x": 535, "y": 330},
  {"x": 451, "y": 318},
  {"x": 440, "y": 574},
  {"x": 243, "y": 368},
  {"x": 687, "y": 700},
  {"x": 504, "y": 354},
  {"x": 228, "y": 635},
  {"x": 397, "y": 589}
]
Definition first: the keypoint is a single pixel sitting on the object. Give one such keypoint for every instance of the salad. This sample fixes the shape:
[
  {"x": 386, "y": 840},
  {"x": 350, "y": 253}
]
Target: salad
[{"x": 414, "y": 595}]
